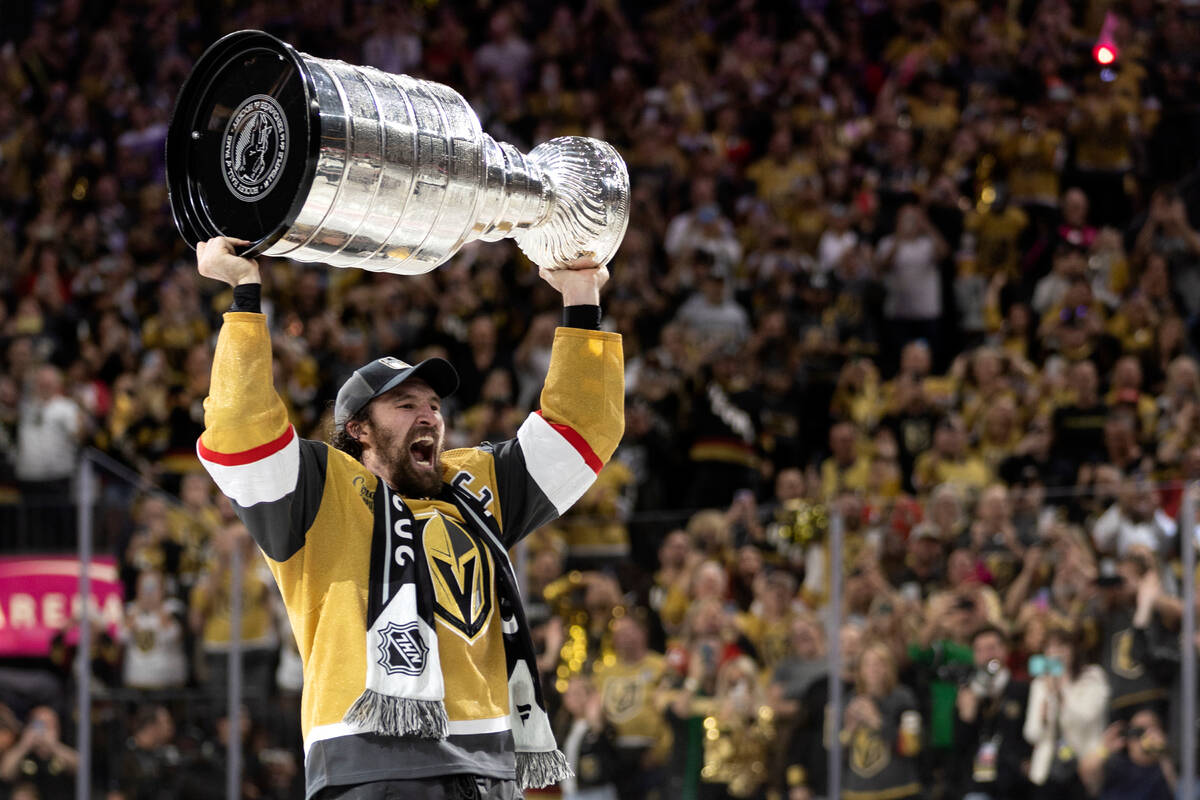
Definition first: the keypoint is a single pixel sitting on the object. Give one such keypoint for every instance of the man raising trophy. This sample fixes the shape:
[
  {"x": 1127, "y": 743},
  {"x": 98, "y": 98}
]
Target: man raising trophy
[{"x": 391, "y": 553}]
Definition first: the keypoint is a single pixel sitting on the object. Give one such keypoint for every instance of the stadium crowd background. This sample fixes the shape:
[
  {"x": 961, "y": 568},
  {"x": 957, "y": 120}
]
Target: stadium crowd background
[{"x": 924, "y": 263}]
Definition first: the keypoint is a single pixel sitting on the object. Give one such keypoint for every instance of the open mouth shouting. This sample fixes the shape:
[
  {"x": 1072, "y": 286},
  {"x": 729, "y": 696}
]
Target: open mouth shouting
[{"x": 424, "y": 451}]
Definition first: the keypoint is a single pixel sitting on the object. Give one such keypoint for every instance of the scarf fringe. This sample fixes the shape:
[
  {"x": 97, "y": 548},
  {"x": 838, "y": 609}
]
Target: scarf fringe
[
  {"x": 398, "y": 716},
  {"x": 535, "y": 770}
]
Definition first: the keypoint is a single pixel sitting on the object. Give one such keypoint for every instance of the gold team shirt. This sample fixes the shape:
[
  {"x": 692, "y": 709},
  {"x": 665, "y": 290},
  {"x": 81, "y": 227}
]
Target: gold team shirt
[{"x": 627, "y": 691}]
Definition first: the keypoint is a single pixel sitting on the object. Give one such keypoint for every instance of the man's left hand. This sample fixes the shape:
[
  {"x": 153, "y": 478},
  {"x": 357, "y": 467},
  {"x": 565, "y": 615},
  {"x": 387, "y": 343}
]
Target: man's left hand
[{"x": 579, "y": 283}]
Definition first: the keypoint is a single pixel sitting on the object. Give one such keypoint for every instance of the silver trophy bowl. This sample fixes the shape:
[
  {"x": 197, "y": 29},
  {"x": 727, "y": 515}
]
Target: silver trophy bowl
[{"x": 318, "y": 160}]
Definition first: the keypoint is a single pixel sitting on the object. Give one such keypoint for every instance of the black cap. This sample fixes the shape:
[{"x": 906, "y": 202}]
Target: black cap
[{"x": 384, "y": 374}]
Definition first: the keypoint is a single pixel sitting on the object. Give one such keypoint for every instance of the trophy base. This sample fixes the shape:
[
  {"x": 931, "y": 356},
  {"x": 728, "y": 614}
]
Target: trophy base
[{"x": 587, "y": 219}]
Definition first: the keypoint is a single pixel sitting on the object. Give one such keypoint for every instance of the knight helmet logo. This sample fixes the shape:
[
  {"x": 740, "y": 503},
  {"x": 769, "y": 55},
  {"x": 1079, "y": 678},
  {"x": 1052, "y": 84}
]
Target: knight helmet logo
[
  {"x": 402, "y": 651},
  {"x": 461, "y": 573}
]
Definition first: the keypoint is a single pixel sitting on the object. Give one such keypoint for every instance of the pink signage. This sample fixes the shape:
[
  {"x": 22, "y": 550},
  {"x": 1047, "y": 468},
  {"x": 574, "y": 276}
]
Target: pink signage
[{"x": 39, "y": 596}]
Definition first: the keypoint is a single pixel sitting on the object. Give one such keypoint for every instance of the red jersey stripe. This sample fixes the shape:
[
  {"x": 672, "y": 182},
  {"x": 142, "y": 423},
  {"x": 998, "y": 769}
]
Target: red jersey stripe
[
  {"x": 248, "y": 456},
  {"x": 578, "y": 442}
]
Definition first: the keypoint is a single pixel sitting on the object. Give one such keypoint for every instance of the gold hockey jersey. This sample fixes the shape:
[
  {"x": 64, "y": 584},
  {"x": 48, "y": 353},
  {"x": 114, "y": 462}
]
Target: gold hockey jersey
[{"x": 310, "y": 508}]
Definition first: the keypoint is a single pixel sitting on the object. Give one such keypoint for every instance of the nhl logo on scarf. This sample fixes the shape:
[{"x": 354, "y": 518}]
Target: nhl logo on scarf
[{"x": 402, "y": 651}]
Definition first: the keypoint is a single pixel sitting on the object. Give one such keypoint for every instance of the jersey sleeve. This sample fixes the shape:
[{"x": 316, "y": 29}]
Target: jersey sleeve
[
  {"x": 249, "y": 447},
  {"x": 559, "y": 449}
]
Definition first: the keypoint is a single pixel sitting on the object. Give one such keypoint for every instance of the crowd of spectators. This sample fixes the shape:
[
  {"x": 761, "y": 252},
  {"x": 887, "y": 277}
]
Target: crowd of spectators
[{"x": 922, "y": 265}]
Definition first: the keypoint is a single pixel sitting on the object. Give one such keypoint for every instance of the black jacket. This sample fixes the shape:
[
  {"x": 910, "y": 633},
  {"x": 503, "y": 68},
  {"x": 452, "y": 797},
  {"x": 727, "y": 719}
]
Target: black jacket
[{"x": 1001, "y": 718}]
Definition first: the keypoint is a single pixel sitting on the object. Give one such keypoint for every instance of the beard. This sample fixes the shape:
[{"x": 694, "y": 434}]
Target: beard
[{"x": 413, "y": 470}]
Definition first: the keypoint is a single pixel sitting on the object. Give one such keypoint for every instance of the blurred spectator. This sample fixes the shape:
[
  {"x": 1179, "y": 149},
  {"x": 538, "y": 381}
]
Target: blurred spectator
[
  {"x": 711, "y": 316},
  {"x": 1070, "y": 265},
  {"x": 150, "y": 546},
  {"x": 49, "y": 432},
  {"x": 1132, "y": 761},
  {"x": 1129, "y": 619},
  {"x": 210, "y": 618},
  {"x": 881, "y": 729},
  {"x": 669, "y": 596},
  {"x": 1067, "y": 708},
  {"x": 803, "y": 665},
  {"x": 155, "y": 655},
  {"x": 945, "y": 512},
  {"x": 587, "y": 742},
  {"x": 942, "y": 657},
  {"x": 805, "y": 756},
  {"x": 193, "y": 524},
  {"x": 950, "y": 461},
  {"x": 506, "y": 56},
  {"x": 1168, "y": 232},
  {"x": 1073, "y": 228},
  {"x": 910, "y": 261},
  {"x": 723, "y": 428},
  {"x": 595, "y": 528},
  {"x": 280, "y": 775},
  {"x": 924, "y": 563},
  {"x": 737, "y": 733},
  {"x": 628, "y": 684},
  {"x": 148, "y": 769},
  {"x": 703, "y": 230},
  {"x": 990, "y": 710},
  {"x": 1135, "y": 520},
  {"x": 846, "y": 468},
  {"x": 838, "y": 241},
  {"x": 40, "y": 757},
  {"x": 393, "y": 46},
  {"x": 1079, "y": 423},
  {"x": 993, "y": 537},
  {"x": 1103, "y": 159}
]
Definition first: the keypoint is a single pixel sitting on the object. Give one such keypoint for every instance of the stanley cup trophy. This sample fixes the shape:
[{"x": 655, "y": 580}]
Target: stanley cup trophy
[{"x": 318, "y": 160}]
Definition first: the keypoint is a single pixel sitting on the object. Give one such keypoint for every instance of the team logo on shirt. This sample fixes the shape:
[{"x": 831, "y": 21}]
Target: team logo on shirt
[
  {"x": 461, "y": 573},
  {"x": 402, "y": 651},
  {"x": 624, "y": 697},
  {"x": 868, "y": 752},
  {"x": 254, "y": 147},
  {"x": 1124, "y": 662}
]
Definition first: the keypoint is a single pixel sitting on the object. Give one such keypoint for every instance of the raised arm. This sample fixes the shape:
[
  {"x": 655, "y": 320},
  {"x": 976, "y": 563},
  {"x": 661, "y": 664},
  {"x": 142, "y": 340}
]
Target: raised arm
[
  {"x": 561, "y": 448},
  {"x": 248, "y": 445}
]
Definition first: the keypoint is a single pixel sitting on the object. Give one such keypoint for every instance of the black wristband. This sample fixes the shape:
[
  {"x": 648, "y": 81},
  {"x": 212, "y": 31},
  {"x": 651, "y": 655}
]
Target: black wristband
[
  {"x": 586, "y": 317},
  {"x": 247, "y": 297}
]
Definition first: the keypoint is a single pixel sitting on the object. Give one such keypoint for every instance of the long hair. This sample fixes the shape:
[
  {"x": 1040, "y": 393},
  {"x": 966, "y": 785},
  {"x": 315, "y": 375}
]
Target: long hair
[
  {"x": 1069, "y": 636},
  {"x": 342, "y": 440},
  {"x": 889, "y": 661}
]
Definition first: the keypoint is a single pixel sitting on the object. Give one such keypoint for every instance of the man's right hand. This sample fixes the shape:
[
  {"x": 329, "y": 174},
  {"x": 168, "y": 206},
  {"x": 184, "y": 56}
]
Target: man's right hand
[{"x": 217, "y": 259}]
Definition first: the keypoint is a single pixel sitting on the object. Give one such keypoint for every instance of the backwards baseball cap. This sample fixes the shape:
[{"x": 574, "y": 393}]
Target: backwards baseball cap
[{"x": 384, "y": 374}]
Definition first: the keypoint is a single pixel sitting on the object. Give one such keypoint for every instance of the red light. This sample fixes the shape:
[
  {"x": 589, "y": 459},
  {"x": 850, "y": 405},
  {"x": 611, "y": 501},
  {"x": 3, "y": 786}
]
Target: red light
[{"x": 1104, "y": 54}]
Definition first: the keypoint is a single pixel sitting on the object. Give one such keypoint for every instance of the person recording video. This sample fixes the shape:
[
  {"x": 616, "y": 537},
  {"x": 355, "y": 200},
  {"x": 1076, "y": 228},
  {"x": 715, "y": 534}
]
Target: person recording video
[
  {"x": 1132, "y": 761},
  {"x": 990, "y": 709},
  {"x": 1068, "y": 701}
]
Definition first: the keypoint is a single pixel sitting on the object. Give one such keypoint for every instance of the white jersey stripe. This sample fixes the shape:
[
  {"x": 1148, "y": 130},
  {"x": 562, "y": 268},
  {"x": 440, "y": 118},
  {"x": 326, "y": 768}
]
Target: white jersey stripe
[
  {"x": 260, "y": 481},
  {"x": 559, "y": 470},
  {"x": 461, "y": 727}
]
